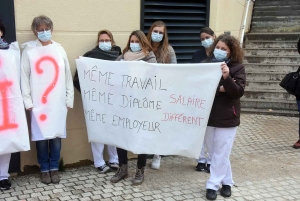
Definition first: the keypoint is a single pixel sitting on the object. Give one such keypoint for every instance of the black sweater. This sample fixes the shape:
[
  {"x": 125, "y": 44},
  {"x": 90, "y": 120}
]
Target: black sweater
[
  {"x": 199, "y": 56},
  {"x": 97, "y": 53}
]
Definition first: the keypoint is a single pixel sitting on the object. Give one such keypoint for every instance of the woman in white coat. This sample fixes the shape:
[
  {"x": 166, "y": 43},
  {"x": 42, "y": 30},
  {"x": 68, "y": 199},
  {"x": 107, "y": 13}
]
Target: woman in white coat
[
  {"x": 4, "y": 158},
  {"x": 47, "y": 130}
]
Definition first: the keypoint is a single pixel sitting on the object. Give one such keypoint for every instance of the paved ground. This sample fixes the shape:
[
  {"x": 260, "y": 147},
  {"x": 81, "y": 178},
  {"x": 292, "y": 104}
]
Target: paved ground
[{"x": 265, "y": 167}]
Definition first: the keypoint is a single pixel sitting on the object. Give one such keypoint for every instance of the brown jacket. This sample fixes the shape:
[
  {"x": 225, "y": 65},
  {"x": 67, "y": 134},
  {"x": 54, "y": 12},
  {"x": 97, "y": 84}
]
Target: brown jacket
[{"x": 226, "y": 108}]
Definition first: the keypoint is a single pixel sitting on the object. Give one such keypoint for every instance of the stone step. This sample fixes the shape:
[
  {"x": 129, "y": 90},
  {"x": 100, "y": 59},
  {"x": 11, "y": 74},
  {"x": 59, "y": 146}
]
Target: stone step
[
  {"x": 266, "y": 85},
  {"x": 284, "y": 24},
  {"x": 279, "y": 12},
  {"x": 282, "y": 68},
  {"x": 276, "y": 8},
  {"x": 264, "y": 76},
  {"x": 275, "y": 18},
  {"x": 276, "y": 2},
  {"x": 277, "y": 68},
  {"x": 292, "y": 37},
  {"x": 272, "y": 29},
  {"x": 290, "y": 113},
  {"x": 270, "y": 44},
  {"x": 271, "y": 52},
  {"x": 268, "y": 94},
  {"x": 269, "y": 104},
  {"x": 273, "y": 60}
]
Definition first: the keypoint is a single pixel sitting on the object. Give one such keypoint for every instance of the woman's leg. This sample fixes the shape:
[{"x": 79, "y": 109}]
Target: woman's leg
[
  {"x": 297, "y": 144},
  {"x": 42, "y": 151},
  {"x": 122, "y": 154},
  {"x": 4, "y": 165},
  {"x": 54, "y": 156},
  {"x": 122, "y": 172},
  {"x": 142, "y": 160},
  {"x": 97, "y": 150},
  {"x": 113, "y": 155},
  {"x": 220, "y": 168}
]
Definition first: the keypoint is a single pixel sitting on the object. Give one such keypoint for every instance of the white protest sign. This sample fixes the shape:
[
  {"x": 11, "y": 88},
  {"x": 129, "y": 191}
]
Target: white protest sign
[
  {"x": 48, "y": 91},
  {"x": 13, "y": 125},
  {"x": 148, "y": 108}
]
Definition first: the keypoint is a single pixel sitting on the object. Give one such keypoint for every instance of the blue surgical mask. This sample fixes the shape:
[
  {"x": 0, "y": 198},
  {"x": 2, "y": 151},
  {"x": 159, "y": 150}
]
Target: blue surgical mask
[
  {"x": 207, "y": 43},
  {"x": 220, "y": 54},
  {"x": 135, "y": 47},
  {"x": 156, "y": 37},
  {"x": 44, "y": 35},
  {"x": 105, "y": 46}
]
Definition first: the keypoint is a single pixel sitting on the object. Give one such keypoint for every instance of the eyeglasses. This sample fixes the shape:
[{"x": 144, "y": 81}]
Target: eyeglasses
[
  {"x": 41, "y": 30},
  {"x": 107, "y": 41},
  {"x": 158, "y": 32}
]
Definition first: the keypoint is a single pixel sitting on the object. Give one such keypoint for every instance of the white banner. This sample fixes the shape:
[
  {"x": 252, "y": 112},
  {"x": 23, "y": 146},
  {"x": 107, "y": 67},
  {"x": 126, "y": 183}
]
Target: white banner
[
  {"x": 13, "y": 125},
  {"x": 148, "y": 108},
  {"x": 48, "y": 91}
]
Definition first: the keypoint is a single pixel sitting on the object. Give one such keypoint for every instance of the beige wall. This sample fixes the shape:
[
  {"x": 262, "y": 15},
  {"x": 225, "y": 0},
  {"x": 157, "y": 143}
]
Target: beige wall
[
  {"x": 228, "y": 15},
  {"x": 76, "y": 23}
]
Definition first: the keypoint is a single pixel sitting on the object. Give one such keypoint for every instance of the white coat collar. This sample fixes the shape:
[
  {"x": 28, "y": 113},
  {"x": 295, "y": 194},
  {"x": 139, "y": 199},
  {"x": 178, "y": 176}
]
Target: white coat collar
[{"x": 35, "y": 43}]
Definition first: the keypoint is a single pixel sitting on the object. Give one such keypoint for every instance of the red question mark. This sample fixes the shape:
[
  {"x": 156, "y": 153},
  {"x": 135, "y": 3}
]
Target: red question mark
[{"x": 43, "y": 117}]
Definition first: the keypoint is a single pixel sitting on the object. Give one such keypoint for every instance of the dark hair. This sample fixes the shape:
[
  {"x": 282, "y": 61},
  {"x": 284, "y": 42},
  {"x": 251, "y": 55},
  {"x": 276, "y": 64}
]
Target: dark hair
[
  {"x": 145, "y": 44},
  {"x": 2, "y": 29},
  {"x": 162, "y": 53},
  {"x": 236, "y": 52},
  {"x": 207, "y": 30}
]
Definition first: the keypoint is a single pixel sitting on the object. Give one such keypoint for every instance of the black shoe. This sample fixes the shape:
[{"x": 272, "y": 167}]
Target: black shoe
[
  {"x": 226, "y": 191},
  {"x": 5, "y": 184},
  {"x": 211, "y": 194},
  {"x": 200, "y": 167},
  {"x": 207, "y": 169}
]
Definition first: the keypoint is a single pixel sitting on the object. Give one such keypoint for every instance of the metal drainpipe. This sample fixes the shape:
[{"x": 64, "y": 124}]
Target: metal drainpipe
[{"x": 245, "y": 21}]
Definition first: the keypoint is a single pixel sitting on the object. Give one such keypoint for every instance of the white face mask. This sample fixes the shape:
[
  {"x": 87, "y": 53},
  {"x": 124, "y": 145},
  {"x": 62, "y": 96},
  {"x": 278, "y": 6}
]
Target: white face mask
[
  {"x": 44, "y": 35},
  {"x": 156, "y": 37},
  {"x": 220, "y": 54},
  {"x": 207, "y": 43},
  {"x": 105, "y": 46},
  {"x": 135, "y": 47}
]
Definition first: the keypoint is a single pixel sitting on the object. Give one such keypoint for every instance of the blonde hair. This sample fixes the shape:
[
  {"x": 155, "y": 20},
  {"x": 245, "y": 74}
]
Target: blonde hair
[
  {"x": 162, "y": 53},
  {"x": 105, "y": 31},
  {"x": 145, "y": 45}
]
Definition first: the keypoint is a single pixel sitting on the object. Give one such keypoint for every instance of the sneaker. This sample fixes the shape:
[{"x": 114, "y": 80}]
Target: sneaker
[
  {"x": 5, "y": 184},
  {"x": 45, "y": 178},
  {"x": 55, "y": 179},
  {"x": 297, "y": 145},
  {"x": 200, "y": 167},
  {"x": 156, "y": 162},
  {"x": 226, "y": 191},
  {"x": 114, "y": 166},
  {"x": 207, "y": 169},
  {"x": 103, "y": 168},
  {"x": 211, "y": 194}
]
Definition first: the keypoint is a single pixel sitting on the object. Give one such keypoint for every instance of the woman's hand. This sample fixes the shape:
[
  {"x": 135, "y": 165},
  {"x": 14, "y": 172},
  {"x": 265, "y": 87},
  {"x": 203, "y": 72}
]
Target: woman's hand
[
  {"x": 222, "y": 89},
  {"x": 29, "y": 109},
  {"x": 225, "y": 70}
]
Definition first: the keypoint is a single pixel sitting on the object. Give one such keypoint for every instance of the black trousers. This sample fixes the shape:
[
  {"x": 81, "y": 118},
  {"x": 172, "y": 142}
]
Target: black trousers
[{"x": 122, "y": 154}]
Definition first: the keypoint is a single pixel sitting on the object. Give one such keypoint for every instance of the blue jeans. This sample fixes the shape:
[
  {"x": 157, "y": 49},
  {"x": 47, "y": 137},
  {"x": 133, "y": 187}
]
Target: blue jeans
[
  {"x": 48, "y": 154},
  {"x": 298, "y": 103}
]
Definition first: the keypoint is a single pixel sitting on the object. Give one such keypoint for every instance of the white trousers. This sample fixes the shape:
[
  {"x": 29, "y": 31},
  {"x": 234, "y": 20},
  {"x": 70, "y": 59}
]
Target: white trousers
[
  {"x": 219, "y": 143},
  {"x": 4, "y": 165},
  {"x": 202, "y": 158},
  {"x": 97, "y": 149}
]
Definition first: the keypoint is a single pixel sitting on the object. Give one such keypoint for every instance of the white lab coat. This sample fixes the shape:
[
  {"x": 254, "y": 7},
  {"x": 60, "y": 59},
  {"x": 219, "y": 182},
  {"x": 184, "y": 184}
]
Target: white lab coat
[{"x": 27, "y": 90}]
